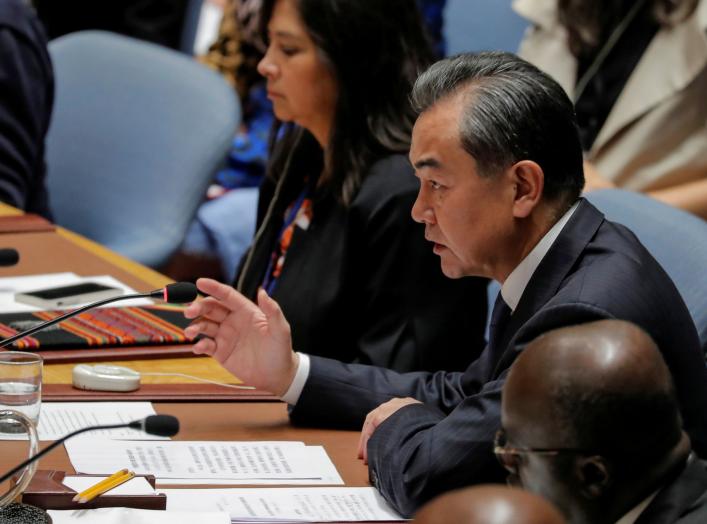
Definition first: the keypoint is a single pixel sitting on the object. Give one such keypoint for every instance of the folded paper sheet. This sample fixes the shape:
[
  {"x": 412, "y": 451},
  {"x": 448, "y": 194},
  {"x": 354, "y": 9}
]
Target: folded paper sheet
[{"x": 248, "y": 462}]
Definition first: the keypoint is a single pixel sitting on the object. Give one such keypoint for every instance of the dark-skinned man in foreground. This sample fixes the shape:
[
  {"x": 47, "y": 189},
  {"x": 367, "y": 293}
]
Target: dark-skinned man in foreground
[{"x": 591, "y": 422}]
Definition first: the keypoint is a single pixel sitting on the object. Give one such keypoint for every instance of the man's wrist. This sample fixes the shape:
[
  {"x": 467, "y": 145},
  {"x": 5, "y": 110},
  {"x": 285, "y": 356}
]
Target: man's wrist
[{"x": 291, "y": 396}]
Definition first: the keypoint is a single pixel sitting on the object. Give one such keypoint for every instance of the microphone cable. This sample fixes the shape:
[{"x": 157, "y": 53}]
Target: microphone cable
[{"x": 199, "y": 379}]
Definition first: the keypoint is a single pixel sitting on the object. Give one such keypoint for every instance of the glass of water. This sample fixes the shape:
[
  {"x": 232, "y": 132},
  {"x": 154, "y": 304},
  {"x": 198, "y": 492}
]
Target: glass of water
[{"x": 20, "y": 387}]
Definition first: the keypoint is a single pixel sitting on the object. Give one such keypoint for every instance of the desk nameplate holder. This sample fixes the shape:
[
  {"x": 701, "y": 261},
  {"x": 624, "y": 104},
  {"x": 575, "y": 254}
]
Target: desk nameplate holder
[{"x": 47, "y": 491}]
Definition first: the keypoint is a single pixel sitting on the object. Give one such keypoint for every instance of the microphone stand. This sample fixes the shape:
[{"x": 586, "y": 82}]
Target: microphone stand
[{"x": 19, "y": 513}]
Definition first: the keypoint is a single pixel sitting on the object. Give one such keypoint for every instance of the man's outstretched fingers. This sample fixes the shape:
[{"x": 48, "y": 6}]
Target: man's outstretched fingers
[
  {"x": 274, "y": 314},
  {"x": 202, "y": 327},
  {"x": 207, "y": 307},
  {"x": 205, "y": 346},
  {"x": 228, "y": 296}
]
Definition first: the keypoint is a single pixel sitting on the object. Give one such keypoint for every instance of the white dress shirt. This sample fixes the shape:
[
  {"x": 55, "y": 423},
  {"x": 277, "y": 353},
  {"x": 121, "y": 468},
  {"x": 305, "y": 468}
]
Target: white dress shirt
[
  {"x": 515, "y": 284},
  {"x": 512, "y": 290}
]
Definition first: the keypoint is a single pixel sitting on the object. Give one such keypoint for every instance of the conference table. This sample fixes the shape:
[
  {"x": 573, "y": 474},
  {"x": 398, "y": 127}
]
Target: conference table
[{"x": 45, "y": 249}]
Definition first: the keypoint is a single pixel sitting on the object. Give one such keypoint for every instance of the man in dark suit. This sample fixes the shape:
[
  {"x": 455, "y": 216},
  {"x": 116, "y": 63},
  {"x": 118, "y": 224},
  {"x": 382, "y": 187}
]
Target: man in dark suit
[
  {"x": 497, "y": 153},
  {"x": 591, "y": 422},
  {"x": 26, "y": 99}
]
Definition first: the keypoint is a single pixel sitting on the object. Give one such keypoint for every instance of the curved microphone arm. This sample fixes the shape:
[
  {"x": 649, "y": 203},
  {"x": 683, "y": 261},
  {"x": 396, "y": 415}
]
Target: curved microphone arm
[{"x": 158, "y": 425}]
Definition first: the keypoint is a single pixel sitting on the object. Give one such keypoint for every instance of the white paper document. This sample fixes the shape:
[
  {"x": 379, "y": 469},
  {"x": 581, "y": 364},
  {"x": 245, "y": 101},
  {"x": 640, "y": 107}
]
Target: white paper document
[
  {"x": 245, "y": 461},
  {"x": 316, "y": 456},
  {"x": 134, "y": 486},
  {"x": 57, "y": 419},
  {"x": 134, "y": 516},
  {"x": 286, "y": 504},
  {"x": 11, "y": 285}
]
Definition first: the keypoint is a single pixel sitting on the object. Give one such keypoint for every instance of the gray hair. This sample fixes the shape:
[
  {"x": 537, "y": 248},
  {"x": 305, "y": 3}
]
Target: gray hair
[{"x": 512, "y": 112}]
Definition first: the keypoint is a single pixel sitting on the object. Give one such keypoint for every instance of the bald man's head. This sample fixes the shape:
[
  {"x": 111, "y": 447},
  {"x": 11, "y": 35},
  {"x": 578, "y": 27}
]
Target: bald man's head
[
  {"x": 601, "y": 386},
  {"x": 588, "y": 410},
  {"x": 492, "y": 504}
]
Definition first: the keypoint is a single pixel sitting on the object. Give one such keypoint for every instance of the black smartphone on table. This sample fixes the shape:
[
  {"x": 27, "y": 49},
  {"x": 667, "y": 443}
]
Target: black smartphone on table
[{"x": 58, "y": 297}]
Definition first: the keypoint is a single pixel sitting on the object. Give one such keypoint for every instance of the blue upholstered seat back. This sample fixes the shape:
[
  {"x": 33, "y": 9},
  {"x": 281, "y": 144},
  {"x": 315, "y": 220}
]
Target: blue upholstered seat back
[{"x": 137, "y": 133}]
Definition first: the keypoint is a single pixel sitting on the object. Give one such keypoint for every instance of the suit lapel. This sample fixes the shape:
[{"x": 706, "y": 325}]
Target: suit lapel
[
  {"x": 550, "y": 273},
  {"x": 678, "y": 497},
  {"x": 671, "y": 61}
]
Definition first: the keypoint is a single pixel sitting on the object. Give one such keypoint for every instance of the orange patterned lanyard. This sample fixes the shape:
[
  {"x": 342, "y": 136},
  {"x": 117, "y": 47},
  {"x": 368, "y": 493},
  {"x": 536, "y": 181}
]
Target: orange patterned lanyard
[{"x": 298, "y": 214}]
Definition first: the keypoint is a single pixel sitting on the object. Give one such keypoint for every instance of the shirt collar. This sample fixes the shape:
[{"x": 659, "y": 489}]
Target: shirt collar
[
  {"x": 632, "y": 516},
  {"x": 514, "y": 286}
]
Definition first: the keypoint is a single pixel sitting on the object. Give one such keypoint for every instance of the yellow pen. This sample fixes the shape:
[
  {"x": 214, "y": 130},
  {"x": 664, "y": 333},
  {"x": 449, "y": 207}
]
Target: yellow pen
[{"x": 103, "y": 486}]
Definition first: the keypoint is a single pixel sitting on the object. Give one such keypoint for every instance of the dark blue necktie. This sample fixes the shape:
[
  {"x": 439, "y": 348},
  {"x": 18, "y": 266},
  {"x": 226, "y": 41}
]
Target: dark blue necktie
[{"x": 499, "y": 318}]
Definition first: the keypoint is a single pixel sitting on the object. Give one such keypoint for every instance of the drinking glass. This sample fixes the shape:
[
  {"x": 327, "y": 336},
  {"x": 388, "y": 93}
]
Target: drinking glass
[{"x": 20, "y": 387}]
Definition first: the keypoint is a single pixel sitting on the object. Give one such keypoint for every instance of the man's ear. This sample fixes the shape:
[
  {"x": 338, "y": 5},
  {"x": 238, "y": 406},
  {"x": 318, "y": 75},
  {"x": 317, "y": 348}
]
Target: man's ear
[
  {"x": 594, "y": 475},
  {"x": 528, "y": 181}
]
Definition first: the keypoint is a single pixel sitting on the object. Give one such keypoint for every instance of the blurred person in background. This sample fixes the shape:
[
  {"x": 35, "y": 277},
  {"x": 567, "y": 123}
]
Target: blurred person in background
[
  {"x": 637, "y": 72},
  {"x": 225, "y": 223},
  {"x": 26, "y": 99}
]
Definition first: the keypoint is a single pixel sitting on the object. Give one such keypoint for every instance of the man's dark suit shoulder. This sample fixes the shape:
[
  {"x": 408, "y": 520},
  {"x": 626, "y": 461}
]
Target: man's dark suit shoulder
[
  {"x": 615, "y": 278},
  {"x": 681, "y": 501}
]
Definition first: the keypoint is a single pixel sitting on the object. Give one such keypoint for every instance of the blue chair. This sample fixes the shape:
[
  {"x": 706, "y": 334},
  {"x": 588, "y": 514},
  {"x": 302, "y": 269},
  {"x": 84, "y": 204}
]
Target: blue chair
[
  {"x": 677, "y": 240},
  {"x": 482, "y": 25},
  {"x": 138, "y": 132}
]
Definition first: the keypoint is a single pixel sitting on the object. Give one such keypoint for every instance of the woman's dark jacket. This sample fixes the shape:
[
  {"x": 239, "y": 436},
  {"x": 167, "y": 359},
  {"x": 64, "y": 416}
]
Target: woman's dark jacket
[{"x": 361, "y": 284}]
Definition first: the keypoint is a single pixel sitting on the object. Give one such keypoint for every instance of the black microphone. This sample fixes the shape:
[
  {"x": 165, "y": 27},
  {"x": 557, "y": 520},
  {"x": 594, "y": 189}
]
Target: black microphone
[
  {"x": 8, "y": 257},
  {"x": 176, "y": 293},
  {"x": 159, "y": 425}
]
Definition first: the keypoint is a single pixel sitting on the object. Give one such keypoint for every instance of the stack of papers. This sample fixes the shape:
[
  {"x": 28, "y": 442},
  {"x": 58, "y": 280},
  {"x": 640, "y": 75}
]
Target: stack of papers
[
  {"x": 58, "y": 419},
  {"x": 286, "y": 504},
  {"x": 207, "y": 462}
]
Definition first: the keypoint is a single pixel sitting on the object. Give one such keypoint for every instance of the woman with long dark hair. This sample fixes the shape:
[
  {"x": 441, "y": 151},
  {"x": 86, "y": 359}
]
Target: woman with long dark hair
[
  {"x": 637, "y": 71},
  {"x": 336, "y": 245}
]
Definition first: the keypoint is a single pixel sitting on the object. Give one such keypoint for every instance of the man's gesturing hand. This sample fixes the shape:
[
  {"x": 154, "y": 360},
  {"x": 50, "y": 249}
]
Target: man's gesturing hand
[
  {"x": 251, "y": 341},
  {"x": 375, "y": 418}
]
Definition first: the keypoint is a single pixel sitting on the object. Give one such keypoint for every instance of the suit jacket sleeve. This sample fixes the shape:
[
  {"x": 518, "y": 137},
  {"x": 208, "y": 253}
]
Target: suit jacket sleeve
[
  {"x": 443, "y": 444},
  {"x": 421, "y": 452},
  {"x": 341, "y": 395},
  {"x": 25, "y": 106}
]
